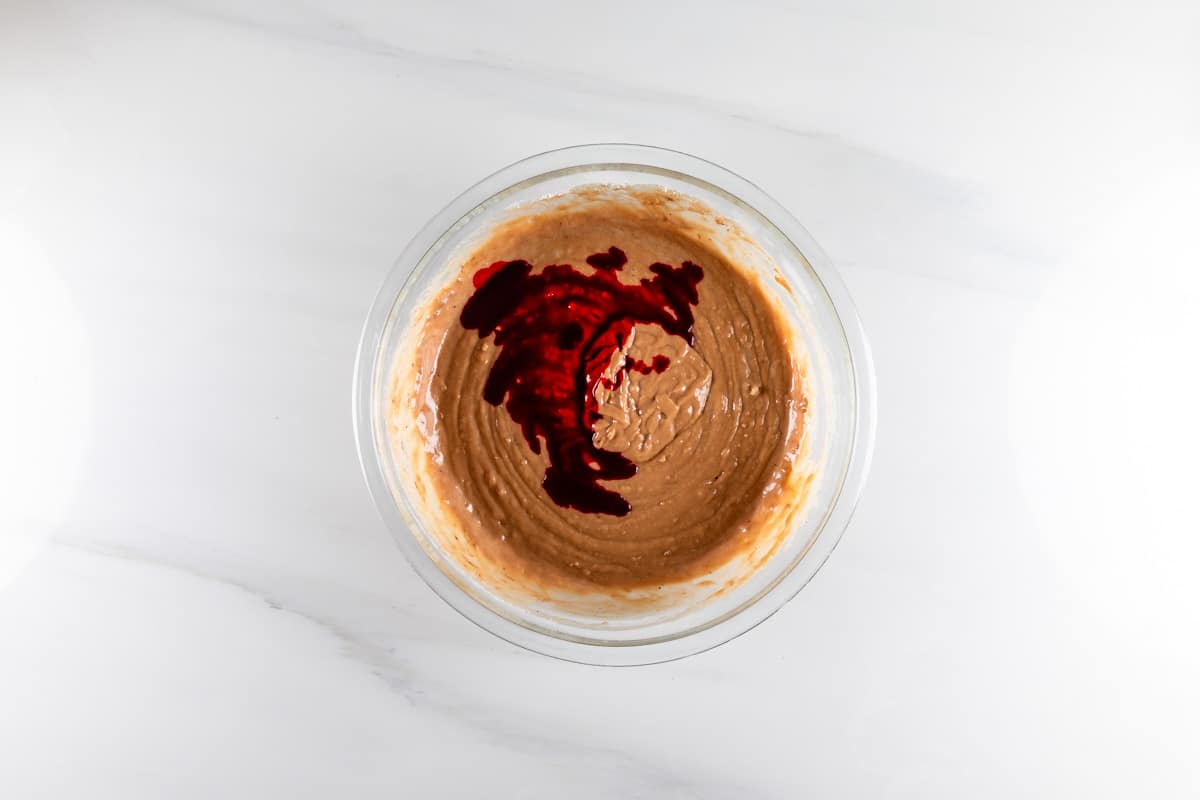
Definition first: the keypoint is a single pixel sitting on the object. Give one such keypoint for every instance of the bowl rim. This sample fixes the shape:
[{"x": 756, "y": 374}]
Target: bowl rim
[{"x": 585, "y": 157}]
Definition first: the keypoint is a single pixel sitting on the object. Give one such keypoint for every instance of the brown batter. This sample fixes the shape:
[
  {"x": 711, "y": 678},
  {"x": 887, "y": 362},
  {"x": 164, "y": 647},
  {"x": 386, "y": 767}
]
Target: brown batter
[{"x": 714, "y": 435}]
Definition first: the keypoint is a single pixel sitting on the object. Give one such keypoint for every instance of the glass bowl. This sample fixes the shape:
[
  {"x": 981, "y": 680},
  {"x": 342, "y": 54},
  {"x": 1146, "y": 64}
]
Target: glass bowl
[{"x": 839, "y": 433}]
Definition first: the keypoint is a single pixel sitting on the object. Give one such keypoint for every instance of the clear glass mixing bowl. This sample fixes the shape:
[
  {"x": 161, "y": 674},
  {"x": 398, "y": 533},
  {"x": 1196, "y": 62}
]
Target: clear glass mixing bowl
[{"x": 839, "y": 387}]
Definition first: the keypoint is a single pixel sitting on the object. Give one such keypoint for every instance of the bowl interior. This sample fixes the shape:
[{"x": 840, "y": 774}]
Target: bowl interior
[{"x": 571, "y": 624}]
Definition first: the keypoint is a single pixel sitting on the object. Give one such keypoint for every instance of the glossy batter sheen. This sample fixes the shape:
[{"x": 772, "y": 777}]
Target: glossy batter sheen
[{"x": 713, "y": 434}]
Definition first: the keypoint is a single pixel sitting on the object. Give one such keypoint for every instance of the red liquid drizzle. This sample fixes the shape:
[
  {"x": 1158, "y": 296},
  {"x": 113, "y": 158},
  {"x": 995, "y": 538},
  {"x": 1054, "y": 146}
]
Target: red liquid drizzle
[{"x": 557, "y": 332}]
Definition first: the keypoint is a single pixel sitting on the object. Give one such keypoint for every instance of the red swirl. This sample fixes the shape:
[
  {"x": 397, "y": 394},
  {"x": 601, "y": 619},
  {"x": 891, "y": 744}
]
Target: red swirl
[{"x": 557, "y": 331}]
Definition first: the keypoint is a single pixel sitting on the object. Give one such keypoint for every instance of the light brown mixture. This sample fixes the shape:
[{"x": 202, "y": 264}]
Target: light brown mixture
[{"x": 714, "y": 435}]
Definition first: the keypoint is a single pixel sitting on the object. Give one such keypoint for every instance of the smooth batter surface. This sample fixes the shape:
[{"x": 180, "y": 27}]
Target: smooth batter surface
[{"x": 712, "y": 426}]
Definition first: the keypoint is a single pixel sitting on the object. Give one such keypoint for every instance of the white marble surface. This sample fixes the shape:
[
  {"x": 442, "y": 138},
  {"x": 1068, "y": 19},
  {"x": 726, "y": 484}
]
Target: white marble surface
[{"x": 197, "y": 201}]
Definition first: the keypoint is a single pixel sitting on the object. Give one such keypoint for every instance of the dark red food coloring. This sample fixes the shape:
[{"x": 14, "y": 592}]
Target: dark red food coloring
[{"x": 557, "y": 331}]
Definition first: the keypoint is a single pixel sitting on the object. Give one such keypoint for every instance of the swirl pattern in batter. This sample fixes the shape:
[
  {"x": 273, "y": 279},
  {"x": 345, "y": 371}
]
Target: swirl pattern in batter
[{"x": 604, "y": 399}]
